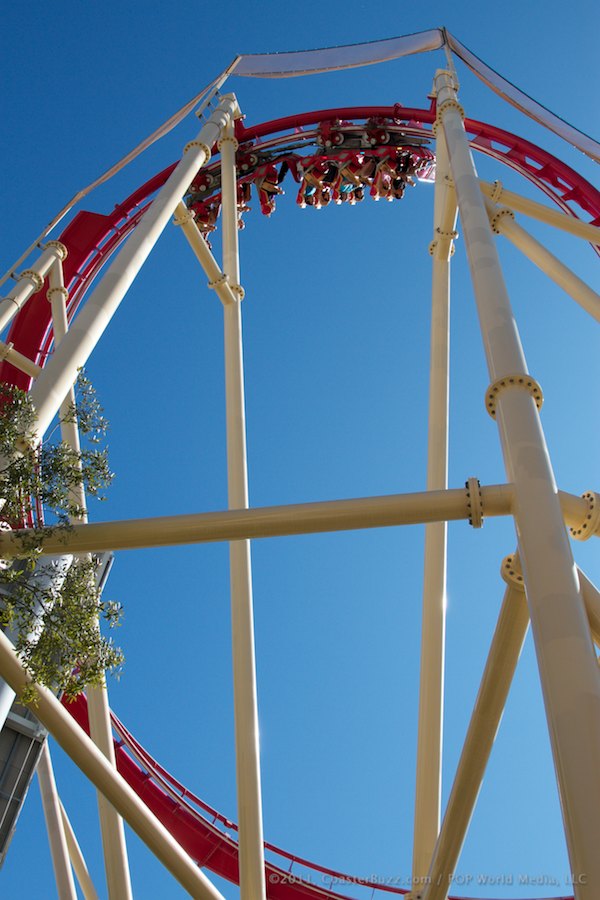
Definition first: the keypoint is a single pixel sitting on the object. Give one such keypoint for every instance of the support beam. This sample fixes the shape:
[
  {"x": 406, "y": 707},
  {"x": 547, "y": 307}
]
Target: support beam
[
  {"x": 591, "y": 598},
  {"x": 539, "y": 211},
  {"x": 503, "y": 222},
  {"x": 500, "y": 666},
  {"x": 61, "y": 371},
  {"x": 433, "y": 629},
  {"x": 216, "y": 278},
  {"x": 116, "y": 863},
  {"x": 565, "y": 653},
  {"x": 76, "y": 856},
  {"x": 271, "y": 521},
  {"x": 29, "y": 282},
  {"x": 65, "y": 886},
  {"x": 251, "y": 842},
  {"x": 92, "y": 763},
  {"x": 18, "y": 360}
]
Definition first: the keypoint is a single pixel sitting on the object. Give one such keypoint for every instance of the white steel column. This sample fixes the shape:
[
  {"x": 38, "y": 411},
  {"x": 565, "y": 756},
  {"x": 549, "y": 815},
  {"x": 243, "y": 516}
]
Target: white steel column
[
  {"x": 251, "y": 848},
  {"x": 76, "y": 856},
  {"x": 566, "y": 658},
  {"x": 431, "y": 692},
  {"x": 111, "y": 824},
  {"x": 92, "y": 763},
  {"x": 503, "y": 222},
  {"x": 29, "y": 282},
  {"x": 65, "y": 884},
  {"x": 500, "y": 666},
  {"x": 51, "y": 387}
]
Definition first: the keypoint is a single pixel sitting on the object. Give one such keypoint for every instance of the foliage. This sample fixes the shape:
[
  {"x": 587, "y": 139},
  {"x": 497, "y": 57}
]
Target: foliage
[{"x": 51, "y": 606}]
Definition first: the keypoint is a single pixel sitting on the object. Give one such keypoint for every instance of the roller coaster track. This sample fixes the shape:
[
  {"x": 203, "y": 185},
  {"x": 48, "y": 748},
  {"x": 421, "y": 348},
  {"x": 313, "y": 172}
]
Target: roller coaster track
[{"x": 91, "y": 238}]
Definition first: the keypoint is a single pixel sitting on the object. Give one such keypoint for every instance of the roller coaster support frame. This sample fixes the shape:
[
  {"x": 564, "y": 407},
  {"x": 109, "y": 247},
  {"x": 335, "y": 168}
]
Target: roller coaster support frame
[
  {"x": 431, "y": 691},
  {"x": 500, "y": 666},
  {"x": 52, "y": 385},
  {"x": 251, "y": 846},
  {"x": 565, "y": 653},
  {"x": 29, "y": 282},
  {"x": 96, "y": 767},
  {"x": 65, "y": 885},
  {"x": 503, "y": 222},
  {"x": 116, "y": 863},
  {"x": 277, "y": 521},
  {"x": 76, "y": 856}
]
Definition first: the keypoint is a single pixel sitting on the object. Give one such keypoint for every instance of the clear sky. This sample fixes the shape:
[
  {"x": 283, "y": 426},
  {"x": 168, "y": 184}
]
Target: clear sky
[{"x": 336, "y": 321}]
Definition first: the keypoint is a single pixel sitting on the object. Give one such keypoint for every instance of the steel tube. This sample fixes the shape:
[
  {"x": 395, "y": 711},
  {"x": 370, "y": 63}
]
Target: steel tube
[
  {"x": 565, "y": 653},
  {"x": 18, "y": 360},
  {"x": 251, "y": 842},
  {"x": 116, "y": 863},
  {"x": 25, "y": 287},
  {"x": 216, "y": 278},
  {"x": 77, "y": 860},
  {"x": 65, "y": 885},
  {"x": 500, "y": 666},
  {"x": 61, "y": 371},
  {"x": 431, "y": 689},
  {"x": 542, "y": 213},
  {"x": 269, "y": 521},
  {"x": 591, "y": 598},
  {"x": 547, "y": 262},
  {"x": 94, "y": 765}
]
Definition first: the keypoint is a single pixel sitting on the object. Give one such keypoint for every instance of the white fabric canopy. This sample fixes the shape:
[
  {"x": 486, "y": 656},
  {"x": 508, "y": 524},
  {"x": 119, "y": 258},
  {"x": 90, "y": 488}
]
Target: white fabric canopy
[{"x": 328, "y": 59}]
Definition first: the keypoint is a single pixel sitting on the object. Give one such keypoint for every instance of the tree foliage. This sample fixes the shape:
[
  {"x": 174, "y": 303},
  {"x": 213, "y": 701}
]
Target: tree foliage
[{"x": 51, "y": 606}]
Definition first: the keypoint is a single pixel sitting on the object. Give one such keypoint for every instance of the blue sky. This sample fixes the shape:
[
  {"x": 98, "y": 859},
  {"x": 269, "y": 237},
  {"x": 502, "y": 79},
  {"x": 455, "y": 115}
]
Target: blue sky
[{"x": 336, "y": 339}]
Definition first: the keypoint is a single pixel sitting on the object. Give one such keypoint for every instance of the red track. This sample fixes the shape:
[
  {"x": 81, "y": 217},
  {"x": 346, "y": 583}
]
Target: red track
[{"x": 91, "y": 238}]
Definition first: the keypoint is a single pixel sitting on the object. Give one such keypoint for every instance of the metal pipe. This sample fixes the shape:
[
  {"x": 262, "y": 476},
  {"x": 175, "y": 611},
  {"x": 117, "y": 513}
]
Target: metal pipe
[
  {"x": 565, "y": 653},
  {"x": 61, "y": 371},
  {"x": 94, "y": 765},
  {"x": 116, "y": 863},
  {"x": 535, "y": 210},
  {"x": 431, "y": 689},
  {"x": 30, "y": 281},
  {"x": 18, "y": 360},
  {"x": 251, "y": 842},
  {"x": 503, "y": 222},
  {"x": 65, "y": 885},
  {"x": 500, "y": 666},
  {"x": 216, "y": 278},
  {"x": 268, "y": 521},
  {"x": 591, "y": 598},
  {"x": 76, "y": 856}
]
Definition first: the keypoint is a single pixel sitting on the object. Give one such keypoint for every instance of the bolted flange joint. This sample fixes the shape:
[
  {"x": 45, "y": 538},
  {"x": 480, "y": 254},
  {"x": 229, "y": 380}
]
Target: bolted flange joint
[
  {"x": 450, "y": 236},
  {"x": 511, "y": 571},
  {"x": 444, "y": 107},
  {"x": 497, "y": 193},
  {"x": 36, "y": 279},
  {"x": 59, "y": 249},
  {"x": 228, "y": 139},
  {"x": 500, "y": 214},
  {"x": 591, "y": 523},
  {"x": 192, "y": 144},
  {"x": 474, "y": 502},
  {"x": 181, "y": 219},
  {"x": 57, "y": 290},
  {"x": 521, "y": 381}
]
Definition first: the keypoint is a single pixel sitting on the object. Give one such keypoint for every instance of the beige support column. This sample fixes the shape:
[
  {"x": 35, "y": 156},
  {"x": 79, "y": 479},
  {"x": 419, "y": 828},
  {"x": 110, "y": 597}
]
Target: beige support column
[
  {"x": 565, "y": 653},
  {"x": 500, "y": 666},
  {"x": 92, "y": 763},
  {"x": 503, "y": 222},
  {"x": 251, "y": 846},
  {"x": 116, "y": 863},
  {"x": 431, "y": 692},
  {"x": 65, "y": 885}
]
